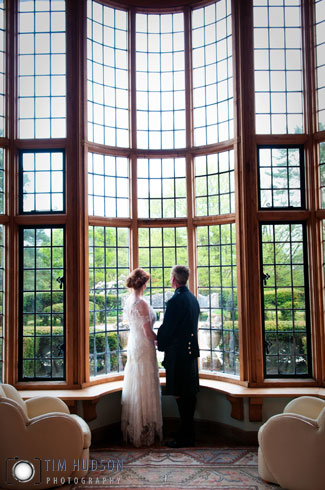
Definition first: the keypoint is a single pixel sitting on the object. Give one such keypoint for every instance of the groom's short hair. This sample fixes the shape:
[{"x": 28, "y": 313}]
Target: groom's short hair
[{"x": 181, "y": 274}]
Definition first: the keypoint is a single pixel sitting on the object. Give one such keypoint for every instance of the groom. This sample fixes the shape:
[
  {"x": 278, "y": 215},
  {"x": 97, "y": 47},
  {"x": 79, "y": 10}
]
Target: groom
[{"x": 177, "y": 337}]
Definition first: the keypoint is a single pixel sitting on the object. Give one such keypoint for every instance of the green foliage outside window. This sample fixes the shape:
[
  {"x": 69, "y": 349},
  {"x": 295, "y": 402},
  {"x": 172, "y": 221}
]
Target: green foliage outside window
[
  {"x": 107, "y": 345},
  {"x": 285, "y": 298},
  {"x": 42, "y": 303},
  {"x": 108, "y": 270}
]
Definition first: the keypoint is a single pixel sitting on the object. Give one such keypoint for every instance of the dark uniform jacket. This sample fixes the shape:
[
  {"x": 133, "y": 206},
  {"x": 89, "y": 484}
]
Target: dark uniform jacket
[{"x": 177, "y": 337}]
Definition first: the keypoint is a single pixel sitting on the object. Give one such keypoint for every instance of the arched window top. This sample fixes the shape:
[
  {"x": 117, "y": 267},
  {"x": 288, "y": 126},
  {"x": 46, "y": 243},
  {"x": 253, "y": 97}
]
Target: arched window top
[{"x": 174, "y": 107}]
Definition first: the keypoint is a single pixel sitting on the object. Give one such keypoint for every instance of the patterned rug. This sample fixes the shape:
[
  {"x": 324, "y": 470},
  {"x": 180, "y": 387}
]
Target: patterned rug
[{"x": 173, "y": 469}]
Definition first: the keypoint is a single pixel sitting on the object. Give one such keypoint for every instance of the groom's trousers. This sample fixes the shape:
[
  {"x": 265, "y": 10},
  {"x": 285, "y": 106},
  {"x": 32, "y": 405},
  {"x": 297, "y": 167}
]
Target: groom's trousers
[{"x": 186, "y": 407}]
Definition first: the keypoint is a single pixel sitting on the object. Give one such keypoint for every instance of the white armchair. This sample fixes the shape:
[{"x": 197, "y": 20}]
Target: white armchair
[
  {"x": 41, "y": 431},
  {"x": 292, "y": 446}
]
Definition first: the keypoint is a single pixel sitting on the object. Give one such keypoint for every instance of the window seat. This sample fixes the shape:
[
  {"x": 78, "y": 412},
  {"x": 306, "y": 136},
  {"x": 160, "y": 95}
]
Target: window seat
[{"x": 235, "y": 395}]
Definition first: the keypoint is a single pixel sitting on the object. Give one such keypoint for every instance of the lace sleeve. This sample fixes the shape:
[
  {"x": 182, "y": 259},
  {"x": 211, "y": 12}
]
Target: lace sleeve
[
  {"x": 139, "y": 311},
  {"x": 148, "y": 318},
  {"x": 136, "y": 310}
]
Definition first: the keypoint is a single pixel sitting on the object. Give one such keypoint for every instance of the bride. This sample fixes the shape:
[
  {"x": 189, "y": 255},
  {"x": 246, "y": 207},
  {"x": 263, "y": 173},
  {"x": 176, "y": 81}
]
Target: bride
[{"x": 141, "y": 419}]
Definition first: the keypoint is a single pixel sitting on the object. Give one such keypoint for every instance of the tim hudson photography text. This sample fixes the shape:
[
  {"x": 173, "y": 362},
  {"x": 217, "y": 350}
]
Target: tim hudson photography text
[
  {"x": 88, "y": 480},
  {"x": 84, "y": 465}
]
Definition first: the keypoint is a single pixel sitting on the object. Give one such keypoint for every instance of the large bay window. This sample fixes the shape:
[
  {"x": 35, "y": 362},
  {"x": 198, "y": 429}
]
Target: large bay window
[
  {"x": 152, "y": 136},
  {"x": 170, "y": 99}
]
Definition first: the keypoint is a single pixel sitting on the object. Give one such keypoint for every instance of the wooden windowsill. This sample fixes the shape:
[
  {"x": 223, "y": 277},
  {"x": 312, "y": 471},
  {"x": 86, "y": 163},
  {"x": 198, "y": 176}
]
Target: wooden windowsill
[
  {"x": 235, "y": 395},
  {"x": 90, "y": 393},
  {"x": 235, "y": 390}
]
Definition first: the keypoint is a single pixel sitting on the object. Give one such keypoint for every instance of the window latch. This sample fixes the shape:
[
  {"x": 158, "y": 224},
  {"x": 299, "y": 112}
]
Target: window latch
[
  {"x": 60, "y": 350},
  {"x": 60, "y": 280},
  {"x": 265, "y": 278},
  {"x": 267, "y": 345}
]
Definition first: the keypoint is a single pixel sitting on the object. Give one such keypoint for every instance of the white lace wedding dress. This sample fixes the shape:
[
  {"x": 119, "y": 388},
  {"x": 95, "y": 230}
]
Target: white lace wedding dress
[{"x": 141, "y": 419}]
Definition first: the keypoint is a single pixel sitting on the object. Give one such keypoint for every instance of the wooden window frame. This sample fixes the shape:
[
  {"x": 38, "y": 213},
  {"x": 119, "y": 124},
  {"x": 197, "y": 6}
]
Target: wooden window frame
[{"x": 247, "y": 216}]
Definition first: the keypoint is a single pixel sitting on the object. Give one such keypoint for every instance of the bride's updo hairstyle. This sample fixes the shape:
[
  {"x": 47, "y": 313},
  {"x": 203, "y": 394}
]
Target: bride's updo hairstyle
[{"x": 137, "y": 278}]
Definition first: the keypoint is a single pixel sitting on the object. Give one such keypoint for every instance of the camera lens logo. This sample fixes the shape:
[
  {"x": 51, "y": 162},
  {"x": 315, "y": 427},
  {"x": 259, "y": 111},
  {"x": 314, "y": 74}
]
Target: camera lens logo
[{"x": 23, "y": 471}]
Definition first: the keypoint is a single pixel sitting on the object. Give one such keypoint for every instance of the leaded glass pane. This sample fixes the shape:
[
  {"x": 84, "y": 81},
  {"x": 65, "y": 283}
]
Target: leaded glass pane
[
  {"x": 160, "y": 79},
  {"x": 278, "y": 67},
  {"x": 322, "y": 174},
  {"x": 42, "y": 182},
  {"x": 217, "y": 295},
  {"x": 161, "y": 188},
  {"x": 285, "y": 300},
  {"x": 107, "y": 75},
  {"x": 2, "y": 181},
  {"x": 108, "y": 186},
  {"x": 2, "y": 68},
  {"x": 108, "y": 269},
  {"x": 214, "y": 184},
  {"x": 159, "y": 250},
  {"x": 42, "y": 304},
  {"x": 41, "y": 69},
  {"x": 320, "y": 60},
  {"x": 212, "y": 73},
  {"x": 281, "y": 177}
]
